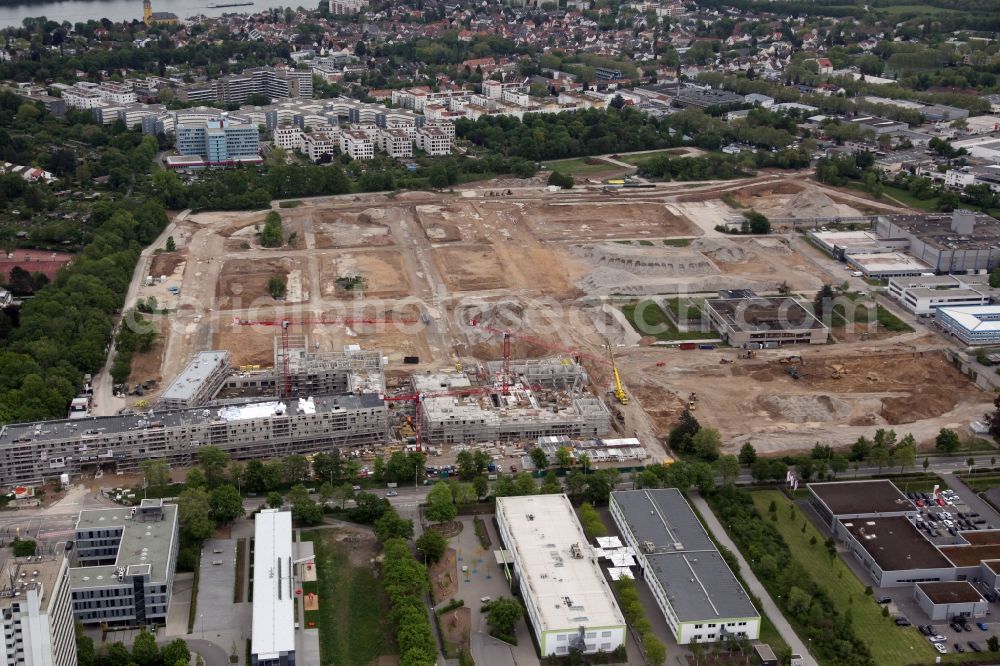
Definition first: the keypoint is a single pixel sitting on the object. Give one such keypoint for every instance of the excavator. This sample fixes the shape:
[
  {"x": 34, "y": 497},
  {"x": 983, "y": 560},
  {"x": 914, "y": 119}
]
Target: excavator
[{"x": 620, "y": 393}]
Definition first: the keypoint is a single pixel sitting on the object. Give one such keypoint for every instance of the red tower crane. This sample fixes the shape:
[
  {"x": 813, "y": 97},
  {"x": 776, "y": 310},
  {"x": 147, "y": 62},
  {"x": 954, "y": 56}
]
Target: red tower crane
[{"x": 286, "y": 324}]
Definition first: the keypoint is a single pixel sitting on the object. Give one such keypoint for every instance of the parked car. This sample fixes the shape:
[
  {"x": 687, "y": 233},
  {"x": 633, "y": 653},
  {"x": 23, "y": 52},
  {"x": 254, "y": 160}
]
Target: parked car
[
  {"x": 884, "y": 600},
  {"x": 941, "y": 648},
  {"x": 902, "y": 622},
  {"x": 959, "y": 648},
  {"x": 974, "y": 646},
  {"x": 936, "y": 638},
  {"x": 982, "y": 625},
  {"x": 956, "y": 627},
  {"x": 941, "y": 502},
  {"x": 919, "y": 502},
  {"x": 392, "y": 493}
]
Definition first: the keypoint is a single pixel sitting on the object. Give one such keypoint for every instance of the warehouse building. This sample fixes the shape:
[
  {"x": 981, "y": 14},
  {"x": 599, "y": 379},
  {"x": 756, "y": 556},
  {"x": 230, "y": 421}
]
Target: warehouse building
[
  {"x": 764, "y": 321},
  {"x": 846, "y": 500},
  {"x": 960, "y": 242},
  {"x": 943, "y": 601},
  {"x": 973, "y": 325},
  {"x": 695, "y": 589},
  {"x": 570, "y": 605},
  {"x": 198, "y": 382},
  {"x": 272, "y": 641},
  {"x": 37, "y": 627},
  {"x": 894, "y": 552},
  {"x": 125, "y": 564},
  {"x": 32, "y": 453}
]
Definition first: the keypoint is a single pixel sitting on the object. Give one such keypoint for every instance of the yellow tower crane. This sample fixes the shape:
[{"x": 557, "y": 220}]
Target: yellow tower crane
[{"x": 619, "y": 389}]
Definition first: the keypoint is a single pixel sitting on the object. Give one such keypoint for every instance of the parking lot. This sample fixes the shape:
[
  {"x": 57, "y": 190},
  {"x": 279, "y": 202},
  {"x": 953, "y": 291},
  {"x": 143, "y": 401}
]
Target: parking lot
[{"x": 942, "y": 518}]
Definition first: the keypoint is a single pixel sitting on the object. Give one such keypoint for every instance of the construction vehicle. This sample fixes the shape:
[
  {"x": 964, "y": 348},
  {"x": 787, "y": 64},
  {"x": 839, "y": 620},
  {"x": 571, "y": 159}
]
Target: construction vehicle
[
  {"x": 793, "y": 359},
  {"x": 692, "y": 402},
  {"x": 793, "y": 372},
  {"x": 838, "y": 371},
  {"x": 748, "y": 353},
  {"x": 619, "y": 389}
]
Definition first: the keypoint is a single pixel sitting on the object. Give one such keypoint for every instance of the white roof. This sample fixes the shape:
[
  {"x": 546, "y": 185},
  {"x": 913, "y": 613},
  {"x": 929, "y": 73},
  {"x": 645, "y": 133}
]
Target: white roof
[
  {"x": 556, "y": 563},
  {"x": 617, "y": 573},
  {"x": 609, "y": 542},
  {"x": 974, "y": 317},
  {"x": 273, "y": 585},
  {"x": 257, "y": 410}
]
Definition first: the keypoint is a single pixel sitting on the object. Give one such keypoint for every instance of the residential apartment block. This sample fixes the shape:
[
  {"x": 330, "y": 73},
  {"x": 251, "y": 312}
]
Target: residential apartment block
[
  {"x": 37, "y": 627},
  {"x": 218, "y": 141},
  {"x": 125, "y": 564}
]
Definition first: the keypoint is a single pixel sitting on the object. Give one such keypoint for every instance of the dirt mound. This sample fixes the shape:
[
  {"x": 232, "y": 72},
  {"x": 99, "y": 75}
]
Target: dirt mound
[
  {"x": 922, "y": 404},
  {"x": 647, "y": 261},
  {"x": 810, "y": 204},
  {"x": 804, "y": 408},
  {"x": 663, "y": 407},
  {"x": 722, "y": 249},
  {"x": 166, "y": 263}
]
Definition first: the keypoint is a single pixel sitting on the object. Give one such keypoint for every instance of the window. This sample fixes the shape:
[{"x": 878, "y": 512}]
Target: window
[{"x": 605, "y": 634}]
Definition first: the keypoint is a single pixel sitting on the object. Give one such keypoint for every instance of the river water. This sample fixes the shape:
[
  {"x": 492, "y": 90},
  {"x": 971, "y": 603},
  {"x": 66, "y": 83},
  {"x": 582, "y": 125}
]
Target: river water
[{"x": 77, "y": 11}]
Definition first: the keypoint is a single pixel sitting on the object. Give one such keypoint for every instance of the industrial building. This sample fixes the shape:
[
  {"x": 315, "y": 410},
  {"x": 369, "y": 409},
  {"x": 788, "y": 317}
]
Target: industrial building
[
  {"x": 961, "y": 242},
  {"x": 272, "y": 641},
  {"x": 546, "y": 399},
  {"x": 616, "y": 450},
  {"x": 973, "y": 325},
  {"x": 198, "y": 382},
  {"x": 570, "y": 605},
  {"x": 125, "y": 564},
  {"x": 37, "y": 627},
  {"x": 883, "y": 265},
  {"x": 925, "y": 294},
  {"x": 764, "y": 321},
  {"x": 698, "y": 593},
  {"x": 876, "y": 522},
  {"x": 32, "y": 453}
]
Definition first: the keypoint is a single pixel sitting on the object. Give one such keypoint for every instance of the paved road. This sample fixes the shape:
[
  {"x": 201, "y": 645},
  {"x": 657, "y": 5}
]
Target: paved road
[{"x": 770, "y": 609}]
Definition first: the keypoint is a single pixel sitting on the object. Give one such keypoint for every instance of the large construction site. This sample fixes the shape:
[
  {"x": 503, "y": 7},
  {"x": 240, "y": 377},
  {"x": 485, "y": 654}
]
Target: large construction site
[{"x": 488, "y": 316}]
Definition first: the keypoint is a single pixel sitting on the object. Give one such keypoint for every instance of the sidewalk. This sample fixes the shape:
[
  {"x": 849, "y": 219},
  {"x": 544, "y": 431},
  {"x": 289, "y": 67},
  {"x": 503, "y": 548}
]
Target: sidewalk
[{"x": 770, "y": 609}]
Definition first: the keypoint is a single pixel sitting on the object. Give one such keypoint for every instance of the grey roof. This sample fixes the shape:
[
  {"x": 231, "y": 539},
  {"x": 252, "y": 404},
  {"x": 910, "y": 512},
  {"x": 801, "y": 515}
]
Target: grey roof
[
  {"x": 102, "y": 425},
  {"x": 144, "y": 544},
  {"x": 696, "y": 579},
  {"x": 194, "y": 375}
]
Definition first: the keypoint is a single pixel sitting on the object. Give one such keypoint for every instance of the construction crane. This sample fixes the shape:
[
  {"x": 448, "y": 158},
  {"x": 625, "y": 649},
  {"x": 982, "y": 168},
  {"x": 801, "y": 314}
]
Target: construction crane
[
  {"x": 286, "y": 325},
  {"x": 619, "y": 389},
  {"x": 417, "y": 398}
]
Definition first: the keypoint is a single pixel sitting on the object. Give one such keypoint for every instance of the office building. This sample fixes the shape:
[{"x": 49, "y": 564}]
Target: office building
[
  {"x": 569, "y": 602},
  {"x": 272, "y": 640},
  {"x": 972, "y": 325},
  {"x": 125, "y": 564},
  {"x": 698, "y": 593},
  {"x": 37, "y": 627},
  {"x": 198, "y": 382},
  {"x": 218, "y": 141},
  {"x": 925, "y": 294}
]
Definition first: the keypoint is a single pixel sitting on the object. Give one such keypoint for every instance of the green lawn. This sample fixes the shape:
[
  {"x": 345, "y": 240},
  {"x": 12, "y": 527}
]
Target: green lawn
[
  {"x": 916, "y": 9},
  {"x": 353, "y": 616},
  {"x": 888, "y": 643},
  {"x": 907, "y": 199},
  {"x": 884, "y": 318},
  {"x": 981, "y": 483},
  {"x": 692, "y": 309},
  {"x": 677, "y": 242},
  {"x": 634, "y": 158},
  {"x": 578, "y": 166},
  {"x": 655, "y": 322}
]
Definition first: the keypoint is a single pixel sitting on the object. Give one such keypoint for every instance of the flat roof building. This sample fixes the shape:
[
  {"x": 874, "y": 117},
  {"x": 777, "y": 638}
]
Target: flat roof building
[
  {"x": 882, "y": 265},
  {"x": 764, "y": 321},
  {"x": 570, "y": 604},
  {"x": 272, "y": 641},
  {"x": 958, "y": 242},
  {"x": 698, "y": 593},
  {"x": 943, "y": 601},
  {"x": 925, "y": 294},
  {"x": 198, "y": 382},
  {"x": 37, "y": 627},
  {"x": 852, "y": 499},
  {"x": 973, "y": 325},
  {"x": 126, "y": 559}
]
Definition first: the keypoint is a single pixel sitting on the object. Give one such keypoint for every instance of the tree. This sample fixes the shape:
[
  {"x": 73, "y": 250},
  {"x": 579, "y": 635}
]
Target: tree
[
  {"x": 171, "y": 245},
  {"x": 195, "y": 514},
  {"x": 277, "y": 286},
  {"x": 564, "y": 457},
  {"x": 440, "y": 504},
  {"x": 656, "y": 651},
  {"x": 254, "y": 477},
  {"x": 706, "y": 444},
  {"x": 947, "y": 441},
  {"x": 296, "y": 469},
  {"x": 86, "y": 654},
  {"x": 368, "y": 508},
  {"x": 838, "y": 463},
  {"x": 993, "y": 419},
  {"x": 748, "y": 454},
  {"x": 462, "y": 493},
  {"x": 481, "y": 486},
  {"x": 758, "y": 222},
  {"x": 539, "y": 459},
  {"x": 275, "y": 500},
  {"x": 213, "y": 461},
  {"x": 272, "y": 235},
  {"x": 392, "y": 526},
  {"x": 304, "y": 509},
  {"x": 927, "y": 463},
  {"x": 145, "y": 651},
  {"x": 550, "y": 484},
  {"x": 176, "y": 651},
  {"x": 591, "y": 521},
  {"x": 995, "y": 278},
  {"x": 225, "y": 504},
  {"x": 728, "y": 467},
  {"x": 502, "y": 614},
  {"x": 157, "y": 475},
  {"x": 326, "y": 492},
  {"x": 24, "y": 547},
  {"x": 971, "y": 462},
  {"x": 432, "y": 545},
  {"x": 342, "y": 493},
  {"x": 195, "y": 478},
  {"x": 560, "y": 180},
  {"x": 993, "y": 643},
  {"x": 328, "y": 466}
]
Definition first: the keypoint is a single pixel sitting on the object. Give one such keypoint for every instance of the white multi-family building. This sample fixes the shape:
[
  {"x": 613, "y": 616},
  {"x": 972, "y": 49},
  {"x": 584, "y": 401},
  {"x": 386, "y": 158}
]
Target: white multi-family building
[
  {"x": 395, "y": 143},
  {"x": 321, "y": 143},
  {"x": 357, "y": 144},
  {"x": 433, "y": 141},
  {"x": 287, "y": 138}
]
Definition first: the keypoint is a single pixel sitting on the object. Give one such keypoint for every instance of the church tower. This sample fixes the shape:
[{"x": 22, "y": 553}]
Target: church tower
[{"x": 147, "y": 12}]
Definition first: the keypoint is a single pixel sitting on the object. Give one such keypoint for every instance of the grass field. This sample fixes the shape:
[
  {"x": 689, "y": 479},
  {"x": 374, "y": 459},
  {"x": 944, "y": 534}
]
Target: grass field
[
  {"x": 677, "y": 242},
  {"x": 353, "y": 615},
  {"x": 888, "y": 643},
  {"x": 642, "y": 157},
  {"x": 654, "y": 319},
  {"x": 578, "y": 166},
  {"x": 916, "y": 9}
]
